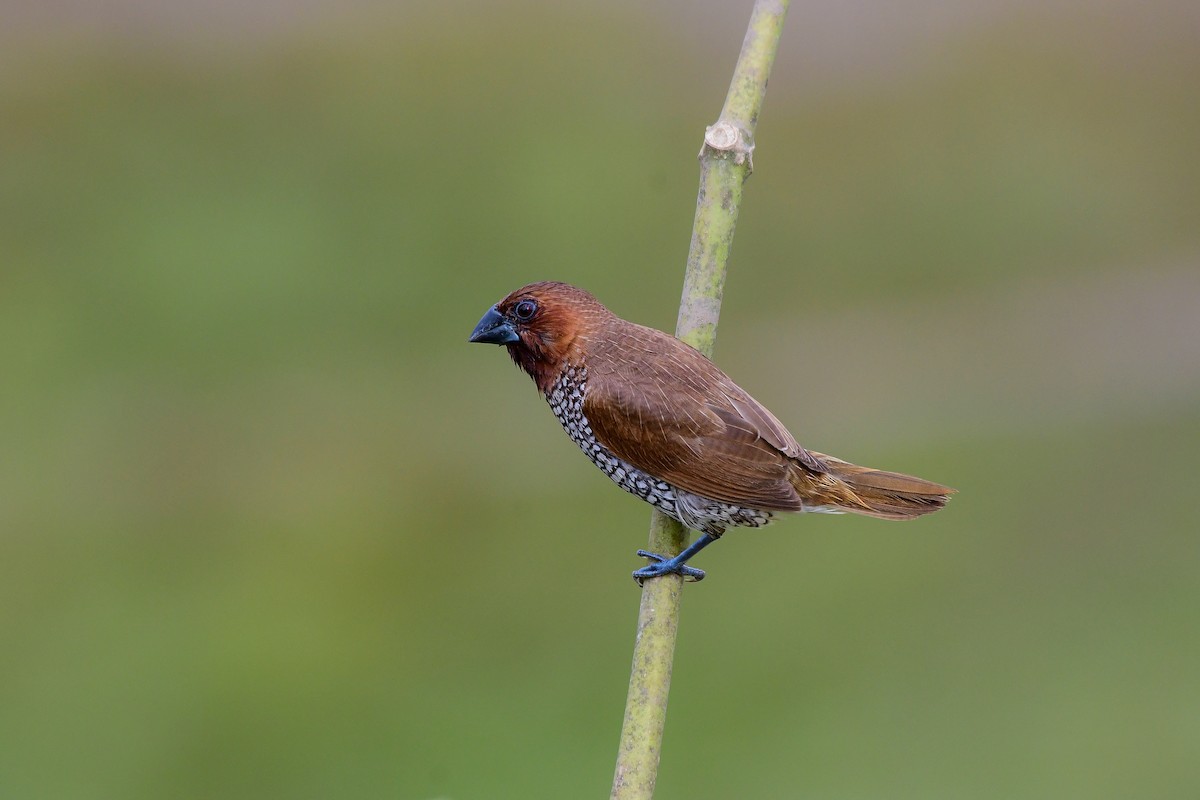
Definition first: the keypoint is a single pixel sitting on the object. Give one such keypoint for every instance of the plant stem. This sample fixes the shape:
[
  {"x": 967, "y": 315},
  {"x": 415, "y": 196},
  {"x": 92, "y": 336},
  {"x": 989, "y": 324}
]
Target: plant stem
[{"x": 725, "y": 163}]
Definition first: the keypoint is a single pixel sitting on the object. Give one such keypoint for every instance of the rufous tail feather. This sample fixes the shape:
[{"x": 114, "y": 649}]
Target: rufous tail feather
[{"x": 876, "y": 492}]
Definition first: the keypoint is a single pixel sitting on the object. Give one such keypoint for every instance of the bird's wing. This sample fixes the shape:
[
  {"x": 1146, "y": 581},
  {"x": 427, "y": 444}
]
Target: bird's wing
[{"x": 665, "y": 408}]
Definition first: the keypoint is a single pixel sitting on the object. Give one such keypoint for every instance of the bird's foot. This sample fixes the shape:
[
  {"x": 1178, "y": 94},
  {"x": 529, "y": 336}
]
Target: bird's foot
[{"x": 661, "y": 565}]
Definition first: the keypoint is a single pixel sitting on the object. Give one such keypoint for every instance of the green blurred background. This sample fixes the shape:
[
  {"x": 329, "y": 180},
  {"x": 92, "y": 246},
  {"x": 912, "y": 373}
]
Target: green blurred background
[{"x": 270, "y": 528}]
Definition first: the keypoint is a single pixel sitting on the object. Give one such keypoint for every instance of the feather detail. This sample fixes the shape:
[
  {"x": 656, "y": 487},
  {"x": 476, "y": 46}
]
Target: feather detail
[
  {"x": 886, "y": 495},
  {"x": 677, "y": 416}
]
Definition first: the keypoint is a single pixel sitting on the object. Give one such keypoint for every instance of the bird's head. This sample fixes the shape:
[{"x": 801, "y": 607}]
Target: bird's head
[{"x": 544, "y": 325}]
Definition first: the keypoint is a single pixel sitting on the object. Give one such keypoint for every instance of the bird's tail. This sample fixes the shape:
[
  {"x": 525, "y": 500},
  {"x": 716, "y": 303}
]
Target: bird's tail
[{"x": 877, "y": 493}]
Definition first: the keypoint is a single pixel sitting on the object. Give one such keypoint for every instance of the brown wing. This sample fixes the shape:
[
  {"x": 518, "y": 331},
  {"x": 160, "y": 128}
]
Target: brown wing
[{"x": 665, "y": 408}]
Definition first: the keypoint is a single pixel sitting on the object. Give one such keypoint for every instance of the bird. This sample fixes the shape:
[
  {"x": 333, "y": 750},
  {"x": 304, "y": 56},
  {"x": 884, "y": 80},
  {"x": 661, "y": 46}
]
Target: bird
[{"x": 669, "y": 426}]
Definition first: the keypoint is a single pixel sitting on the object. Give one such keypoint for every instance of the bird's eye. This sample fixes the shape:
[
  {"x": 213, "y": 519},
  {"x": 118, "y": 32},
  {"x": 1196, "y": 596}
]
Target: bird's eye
[{"x": 525, "y": 310}]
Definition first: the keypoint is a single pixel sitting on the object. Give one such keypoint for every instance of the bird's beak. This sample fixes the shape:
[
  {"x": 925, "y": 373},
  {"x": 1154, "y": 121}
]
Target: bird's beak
[{"x": 494, "y": 329}]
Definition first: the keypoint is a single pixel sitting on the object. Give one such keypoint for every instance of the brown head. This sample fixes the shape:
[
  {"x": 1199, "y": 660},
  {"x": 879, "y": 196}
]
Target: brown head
[{"x": 545, "y": 326}]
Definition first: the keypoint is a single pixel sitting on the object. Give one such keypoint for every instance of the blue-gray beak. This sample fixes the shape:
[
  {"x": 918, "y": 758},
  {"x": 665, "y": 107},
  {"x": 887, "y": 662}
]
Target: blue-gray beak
[{"x": 494, "y": 329}]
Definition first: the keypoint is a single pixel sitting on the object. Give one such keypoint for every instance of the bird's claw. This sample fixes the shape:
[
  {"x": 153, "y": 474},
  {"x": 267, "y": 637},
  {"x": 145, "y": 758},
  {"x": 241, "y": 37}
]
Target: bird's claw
[{"x": 665, "y": 566}]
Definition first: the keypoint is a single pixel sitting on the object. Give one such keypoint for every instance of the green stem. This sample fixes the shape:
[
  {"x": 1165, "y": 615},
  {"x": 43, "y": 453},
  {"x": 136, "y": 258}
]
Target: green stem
[{"x": 725, "y": 163}]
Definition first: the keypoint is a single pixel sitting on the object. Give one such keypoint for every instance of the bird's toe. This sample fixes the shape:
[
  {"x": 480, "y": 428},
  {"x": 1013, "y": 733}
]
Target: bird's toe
[{"x": 664, "y": 566}]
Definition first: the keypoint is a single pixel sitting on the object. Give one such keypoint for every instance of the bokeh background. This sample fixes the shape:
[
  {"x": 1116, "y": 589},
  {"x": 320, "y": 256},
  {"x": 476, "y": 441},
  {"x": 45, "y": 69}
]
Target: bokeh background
[{"x": 269, "y": 527}]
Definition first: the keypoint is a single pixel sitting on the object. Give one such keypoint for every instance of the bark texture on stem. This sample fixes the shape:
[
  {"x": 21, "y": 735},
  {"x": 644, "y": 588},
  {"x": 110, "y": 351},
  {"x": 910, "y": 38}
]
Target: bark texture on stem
[{"x": 726, "y": 160}]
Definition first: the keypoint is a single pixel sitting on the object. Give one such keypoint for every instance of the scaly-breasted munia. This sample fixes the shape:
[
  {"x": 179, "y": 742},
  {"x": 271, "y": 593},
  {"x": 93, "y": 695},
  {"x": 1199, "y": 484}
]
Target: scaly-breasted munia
[{"x": 667, "y": 425}]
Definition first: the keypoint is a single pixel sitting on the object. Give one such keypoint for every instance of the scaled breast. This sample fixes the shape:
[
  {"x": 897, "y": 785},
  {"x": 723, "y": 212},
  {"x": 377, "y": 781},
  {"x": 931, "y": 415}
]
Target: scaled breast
[{"x": 566, "y": 401}]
